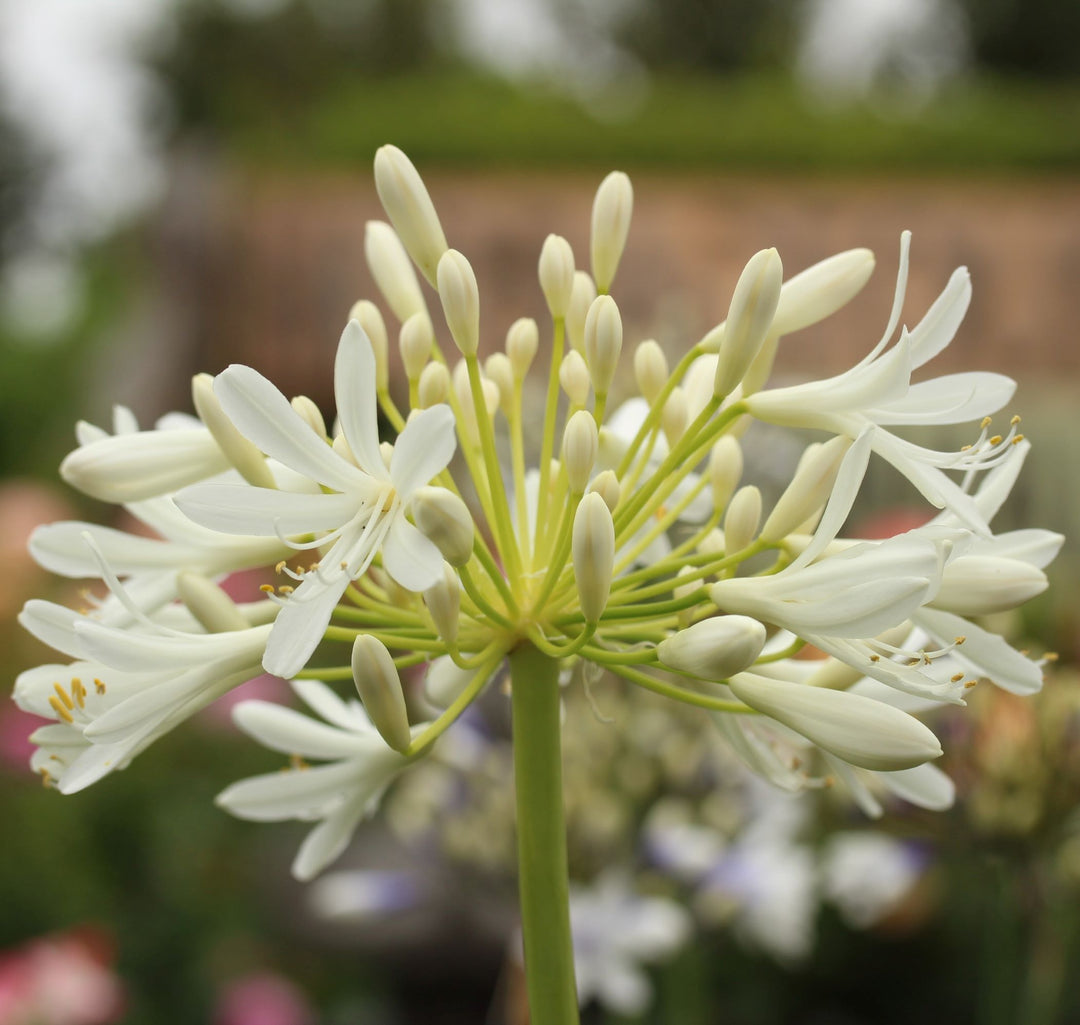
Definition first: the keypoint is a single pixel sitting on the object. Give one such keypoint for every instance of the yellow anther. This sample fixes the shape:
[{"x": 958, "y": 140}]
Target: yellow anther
[
  {"x": 61, "y": 709},
  {"x": 829, "y": 781},
  {"x": 965, "y": 448},
  {"x": 875, "y": 658},
  {"x": 1019, "y": 438},
  {"x": 99, "y": 685},
  {"x": 970, "y": 684},
  {"x": 996, "y": 439},
  {"x": 956, "y": 677},
  {"x": 46, "y": 777},
  {"x": 1014, "y": 421},
  {"x": 1051, "y": 656},
  {"x": 266, "y": 588},
  {"x": 78, "y": 692},
  {"x": 960, "y": 639},
  {"x": 63, "y": 695},
  {"x": 297, "y": 762},
  {"x": 280, "y": 567},
  {"x": 313, "y": 567},
  {"x": 986, "y": 422},
  {"x": 285, "y": 589},
  {"x": 345, "y": 566}
]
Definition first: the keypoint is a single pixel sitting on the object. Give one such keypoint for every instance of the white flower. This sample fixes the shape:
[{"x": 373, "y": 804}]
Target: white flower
[
  {"x": 347, "y": 788},
  {"x": 867, "y": 874},
  {"x": 363, "y": 509}
]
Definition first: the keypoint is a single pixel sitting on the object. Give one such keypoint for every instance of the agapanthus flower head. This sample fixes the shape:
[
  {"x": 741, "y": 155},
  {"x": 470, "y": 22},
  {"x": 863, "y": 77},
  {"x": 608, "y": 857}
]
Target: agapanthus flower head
[{"x": 614, "y": 537}]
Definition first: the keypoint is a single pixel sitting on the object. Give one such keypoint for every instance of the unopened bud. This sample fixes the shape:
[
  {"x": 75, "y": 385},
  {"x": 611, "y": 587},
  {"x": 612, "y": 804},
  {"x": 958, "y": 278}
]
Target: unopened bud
[
  {"x": 650, "y": 370},
  {"x": 581, "y": 298},
  {"x": 579, "y": 450},
  {"x": 306, "y": 409},
  {"x": 215, "y": 611},
  {"x": 379, "y": 686},
  {"x": 460, "y": 300},
  {"x": 371, "y": 320},
  {"x": 607, "y": 486},
  {"x": 750, "y": 315},
  {"x": 819, "y": 291},
  {"x": 409, "y": 207},
  {"x": 445, "y": 519},
  {"x": 725, "y": 469},
  {"x": 809, "y": 489},
  {"x": 556, "y": 274},
  {"x": 603, "y": 342},
  {"x": 715, "y": 648},
  {"x": 742, "y": 518},
  {"x": 684, "y": 590},
  {"x": 977, "y": 585},
  {"x": 611, "y": 212},
  {"x": 574, "y": 378},
  {"x": 593, "y": 552},
  {"x": 434, "y": 385},
  {"x": 415, "y": 340},
  {"x": 521, "y": 343},
  {"x": 247, "y": 459},
  {"x": 674, "y": 416},
  {"x": 445, "y": 680},
  {"x": 443, "y": 601},
  {"x": 392, "y": 270},
  {"x": 857, "y": 729},
  {"x": 499, "y": 371}
]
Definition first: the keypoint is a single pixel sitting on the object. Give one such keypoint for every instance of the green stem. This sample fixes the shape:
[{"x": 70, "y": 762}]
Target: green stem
[{"x": 542, "y": 869}]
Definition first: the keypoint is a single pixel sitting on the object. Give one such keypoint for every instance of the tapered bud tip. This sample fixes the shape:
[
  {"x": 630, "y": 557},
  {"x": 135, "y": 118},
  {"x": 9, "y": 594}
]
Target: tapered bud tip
[
  {"x": 603, "y": 342},
  {"x": 715, "y": 648},
  {"x": 379, "y": 686},
  {"x": 581, "y": 297},
  {"x": 215, "y": 611},
  {"x": 557, "y": 274},
  {"x": 574, "y": 378},
  {"x": 607, "y": 486},
  {"x": 415, "y": 342},
  {"x": 579, "y": 450},
  {"x": 612, "y": 209},
  {"x": 408, "y": 205},
  {"x": 650, "y": 369},
  {"x": 445, "y": 519},
  {"x": 593, "y": 553},
  {"x": 522, "y": 341},
  {"x": 367, "y": 315},
  {"x": 750, "y": 316},
  {"x": 809, "y": 489},
  {"x": 742, "y": 518},
  {"x": 725, "y": 469},
  {"x": 392, "y": 270},
  {"x": 434, "y": 385},
  {"x": 243, "y": 455},
  {"x": 460, "y": 300},
  {"x": 443, "y": 601},
  {"x": 501, "y": 373},
  {"x": 819, "y": 291}
]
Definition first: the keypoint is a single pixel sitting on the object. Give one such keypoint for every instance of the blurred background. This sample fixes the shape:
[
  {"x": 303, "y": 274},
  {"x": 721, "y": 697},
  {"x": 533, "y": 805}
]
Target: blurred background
[{"x": 185, "y": 184}]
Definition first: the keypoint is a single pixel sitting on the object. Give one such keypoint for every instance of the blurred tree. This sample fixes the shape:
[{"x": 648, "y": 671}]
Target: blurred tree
[
  {"x": 18, "y": 184},
  {"x": 1039, "y": 38}
]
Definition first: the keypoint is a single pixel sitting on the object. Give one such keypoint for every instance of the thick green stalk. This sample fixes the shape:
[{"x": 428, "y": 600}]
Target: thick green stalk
[{"x": 541, "y": 837}]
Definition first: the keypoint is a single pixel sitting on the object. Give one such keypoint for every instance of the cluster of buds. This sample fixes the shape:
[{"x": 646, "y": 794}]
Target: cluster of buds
[{"x": 633, "y": 544}]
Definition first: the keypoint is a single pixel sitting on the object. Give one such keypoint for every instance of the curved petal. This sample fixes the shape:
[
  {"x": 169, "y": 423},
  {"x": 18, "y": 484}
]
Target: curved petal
[
  {"x": 950, "y": 399},
  {"x": 300, "y": 625},
  {"x": 265, "y": 417},
  {"x": 411, "y": 558},
  {"x": 354, "y": 391},
  {"x": 423, "y": 449},
  {"x": 290, "y": 732},
  {"x": 301, "y": 793},
  {"x": 263, "y": 512},
  {"x": 924, "y": 785},
  {"x": 937, "y": 328},
  {"x": 322, "y": 700},
  {"x": 61, "y": 548}
]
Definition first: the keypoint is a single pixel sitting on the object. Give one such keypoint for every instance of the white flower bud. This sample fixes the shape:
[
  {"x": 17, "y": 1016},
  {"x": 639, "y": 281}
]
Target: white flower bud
[
  {"x": 445, "y": 519},
  {"x": 856, "y": 729},
  {"x": 556, "y": 274},
  {"x": 593, "y": 552},
  {"x": 715, "y": 648},
  {"x": 445, "y": 680},
  {"x": 713, "y": 543},
  {"x": 650, "y": 369},
  {"x": 341, "y": 446},
  {"x": 409, "y": 207},
  {"x": 674, "y": 416},
  {"x": 306, "y": 409},
  {"x": 976, "y": 585},
  {"x": 215, "y": 611},
  {"x": 247, "y": 459},
  {"x": 379, "y": 686},
  {"x": 579, "y": 450},
  {"x": 574, "y": 378},
  {"x": 434, "y": 385},
  {"x": 725, "y": 469},
  {"x": 742, "y": 518},
  {"x": 750, "y": 315},
  {"x": 809, "y": 489},
  {"x": 611, "y": 212},
  {"x": 415, "y": 340},
  {"x": 371, "y": 320},
  {"x": 819, "y": 291},
  {"x": 833, "y": 674},
  {"x": 522, "y": 340},
  {"x": 392, "y": 270},
  {"x": 581, "y": 298},
  {"x": 460, "y": 300},
  {"x": 607, "y": 486},
  {"x": 443, "y": 601},
  {"x": 500, "y": 372},
  {"x": 684, "y": 590},
  {"x": 603, "y": 342}
]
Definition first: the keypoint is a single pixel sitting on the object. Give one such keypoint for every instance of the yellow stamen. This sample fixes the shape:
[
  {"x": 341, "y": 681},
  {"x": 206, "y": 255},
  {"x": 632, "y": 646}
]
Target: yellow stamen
[{"x": 60, "y": 709}]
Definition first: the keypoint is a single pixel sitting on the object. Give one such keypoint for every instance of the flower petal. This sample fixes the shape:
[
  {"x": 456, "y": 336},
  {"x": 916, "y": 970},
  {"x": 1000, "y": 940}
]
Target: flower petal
[
  {"x": 423, "y": 449},
  {"x": 354, "y": 392},
  {"x": 410, "y": 558},
  {"x": 299, "y": 626},
  {"x": 243, "y": 509},
  {"x": 290, "y": 732}
]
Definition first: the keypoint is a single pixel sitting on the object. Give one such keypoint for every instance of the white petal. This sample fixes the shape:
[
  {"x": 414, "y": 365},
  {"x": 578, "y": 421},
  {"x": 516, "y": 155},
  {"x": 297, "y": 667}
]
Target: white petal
[
  {"x": 952, "y": 399},
  {"x": 328, "y": 840},
  {"x": 97, "y": 761},
  {"x": 1034, "y": 546},
  {"x": 300, "y": 625},
  {"x": 323, "y": 701},
  {"x": 52, "y": 624},
  {"x": 299, "y": 793},
  {"x": 243, "y": 509},
  {"x": 924, "y": 785},
  {"x": 265, "y": 417},
  {"x": 62, "y": 548},
  {"x": 938, "y": 327},
  {"x": 423, "y": 449},
  {"x": 410, "y": 558},
  {"x": 354, "y": 391},
  {"x": 288, "y": 731}
]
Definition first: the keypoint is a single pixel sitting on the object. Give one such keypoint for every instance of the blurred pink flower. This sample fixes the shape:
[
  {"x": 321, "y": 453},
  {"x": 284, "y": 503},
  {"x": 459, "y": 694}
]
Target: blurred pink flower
[
  {"x": 15, "y": 729},
  {"x": 262, "y": 998},
  {"x": 24, "y": 504},
  {"x": 60, "y": 980},
  {"x": 263, "y": 688}
]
